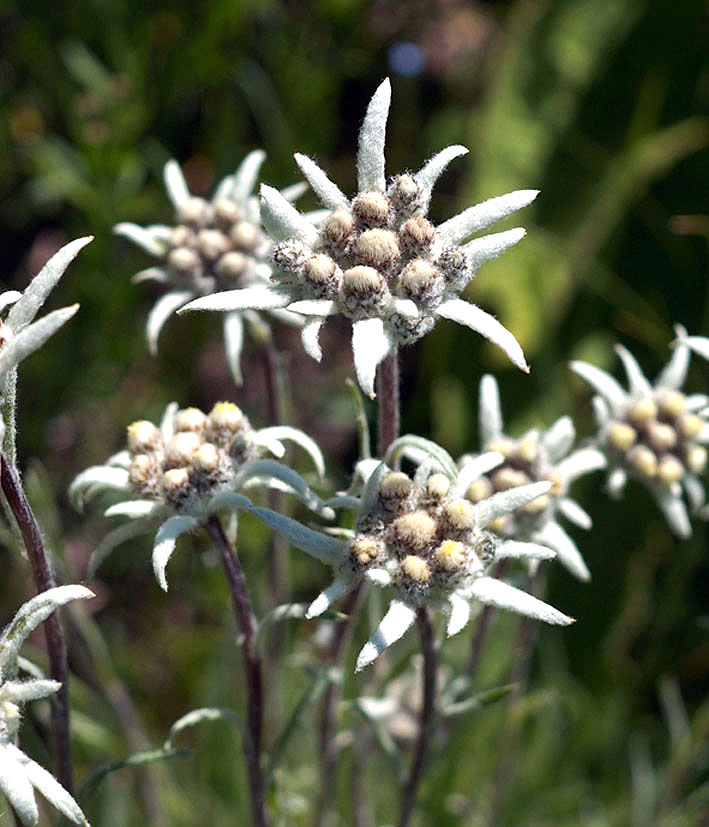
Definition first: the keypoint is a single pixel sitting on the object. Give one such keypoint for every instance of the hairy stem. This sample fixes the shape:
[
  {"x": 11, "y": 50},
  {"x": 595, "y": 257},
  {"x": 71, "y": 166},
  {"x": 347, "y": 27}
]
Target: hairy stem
[
  {"x": 56, "y": 647},
  {"x": 428, "y": 647},
  {"x": 388, "y": 395},
  {"x": 246, "y": 623}
]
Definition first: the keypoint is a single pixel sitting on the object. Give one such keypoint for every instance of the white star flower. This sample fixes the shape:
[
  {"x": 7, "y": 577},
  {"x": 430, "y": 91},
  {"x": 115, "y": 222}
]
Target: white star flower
[
  {"x": 187, "y": 469},
  {"x": 424, "y": 540},
  {"x": 215, "y": 245},
  {"x": 20, "y": 776},
  {"x": 535, "y": 456},
  {"x": 653, "y": 432},
  {"x": 376, "y": 258}
]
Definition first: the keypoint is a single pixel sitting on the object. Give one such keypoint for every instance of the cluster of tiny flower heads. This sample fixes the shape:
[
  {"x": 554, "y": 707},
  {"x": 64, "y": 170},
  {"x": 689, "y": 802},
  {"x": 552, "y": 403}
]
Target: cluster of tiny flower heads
[
  {"x": 367, "y": 257},
  {"x": 426, "y": 538},
  {"x": 525, "y": 462},
  {"x": 197, "y": 460},
  {"x": 655, "y": 440}
]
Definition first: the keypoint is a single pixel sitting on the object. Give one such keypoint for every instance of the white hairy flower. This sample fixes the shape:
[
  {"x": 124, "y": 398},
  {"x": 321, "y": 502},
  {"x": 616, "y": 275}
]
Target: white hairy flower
[
  {"x": 422, "y": 538},
  {"x": 20, "y": 776},
  {"x": 215, "y": 245},
  {"x": 376, "y": 258},
  {"x": 190, "y": 467},
  {"x": 534, "y": 457},
  {"x": 653, "y": 432}
]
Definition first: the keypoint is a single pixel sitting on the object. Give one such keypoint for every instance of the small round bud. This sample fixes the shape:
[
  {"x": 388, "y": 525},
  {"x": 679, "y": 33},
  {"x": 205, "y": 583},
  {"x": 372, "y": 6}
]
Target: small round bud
[
  {"x": 142, "y": 469},
  {"x": 395, "y": 485},
  {"x": 454, "y": 266},
  {"x": 363, "y": 281},
  {"x": 537, "y": 505},
  {"x": 642, "y": 411},
  {"x": 661, "y": 436},
  {"x": 643, "y": 460},
  {"x": 180, "y": 449},
  {"x": 460, "y": 514},
  {"x": 505, "y": 478},
  {"x": 621, "y": 436},
  {"x": 416, "y": 569},
  {"x": 371, "y": 209},
  {"x": 365, "y": 550},
  {"x": 206, "y": 458},
  {"x": 405, "y": 194},
  {"x": 337, "y": 227},
  {"x": 183, "y": 260},
  {"x": 181, "y": 236},
  {"x": 319, "y": 269},
  {"x": 671, "y": 404},
  {"x": 377, "y": 247},
  {"x": 212, "y": 243},
  {"x": 503, "y": 445},
  {"x": 290, "y": 256},
  {"x": 527, "y": 449},
  {"x": 696, "y": 457},
  {"x": 175, "y": 480},
  {"x": 669, "y": 470},
  {"x": 195, "y": 211},
  {"x": 416, "y": 235},
  {"x": 231, "y": 265},
  {"x": 226, "y": 415},
  {"x": 438, "y": 485},
  {"x": 245, "y": 235},
  {"x": 226, "y": 212},
  {"x": 450, "y": 555},
  {"x": 479, "y": 489},
  {"x": 143, "y": 436},
  {"x": 419, "y": 278},
  {"x": 689, "y": 425},
  {"x": 416, "y": 529},
  {"x": 190, "y": 419}
]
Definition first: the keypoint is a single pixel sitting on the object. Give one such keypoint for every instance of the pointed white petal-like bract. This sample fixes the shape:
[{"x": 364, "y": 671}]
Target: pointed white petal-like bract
[
  {"x": 253, "y": 298},
  {"x": 310, "y": 337},
  {"x": 459, "y": 614},
  {"x": 93, "y": 479},
  {"x": 16, "y": 786},
  {"x": 50, "y": 788},
  {"x": 674, "y": 373},
  {"x": 35, "y": 294},
  {"x": 143, "y": 237},
  {"x": 516, "y": 550},
  {"x": 22, "y": 692},
  {"x": 245, "y": 178},
  {"x": 463, "y": 225},
  {"x": 602, "y": 411},
  {"x": 151, "y": 274},
  {"x": 638, "y": 384},
  {"x": 264, "y": 470},
  {"x": 558, "y": 439},
  {"x": 501, "y": 595},
  {"x": 121, "y": 534},
  {"x": 328, "y": 192},
  {"x": 695, "y": 492},
  {"x": 165, "y": 541},
  {"x": 313, "y": 307},
  {"x": 699, "y": 344},
  {"x": 603, "y": 383},
  {"x": 281, "y": 219},
  {"x": 233, "y": 344},
  {"x": 370, "y": 344},
  {"x": 553, "y": 535},
  {"x": 394, "y": 625},
  {"x": 380, "y": 577},
  {"x": 581, "y": 462},
  {"x": 326, "y": 549},
  {"x": 573, "y": 512},
  {"x": 175, "y": 184},
  {"x": 9, "y": 297},
  {"x": 228, "y": 499},
  {"x": 473, "y": 317},
  {"x": 432, "y": 170},
  {"x": 503, "y": 502},
  {"x": 480, "y": 250},
  {"x": 675, "y": 513},
  {"x": 490, "y": 418},
  {"x": 372, "y": 136},
  {"x": 32, "y": 337},
  {"x": 135, "y": 509},
  {"x": 300, "y": 438},
  {"x": 328, "y": 596},
  {"x": 476, "y": 467},
  {"x": 161, "y": 311},
  {"x": 293, "y": 193}
]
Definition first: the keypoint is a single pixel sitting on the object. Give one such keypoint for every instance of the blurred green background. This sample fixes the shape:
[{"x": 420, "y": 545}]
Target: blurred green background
[{"x": 601, "y": 104}]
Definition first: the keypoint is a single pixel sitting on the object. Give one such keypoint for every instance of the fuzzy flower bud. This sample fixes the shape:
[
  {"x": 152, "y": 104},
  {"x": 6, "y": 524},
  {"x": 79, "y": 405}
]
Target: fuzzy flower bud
[
  {"x": 621, "y": 436},
  {"x": 416, "y": 569},
  {"x": 451, "y": 555},
  {"x": 416, "y": 529},
  {"x": 371, "y": 209},
  {"x": 143, "y": 436}
]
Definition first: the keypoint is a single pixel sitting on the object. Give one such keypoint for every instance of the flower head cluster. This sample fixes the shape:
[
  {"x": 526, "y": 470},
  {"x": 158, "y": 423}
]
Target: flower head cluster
[
  {"x": 215, "y": 245},
  {"x": 187, "y": 469},
  {"x": 534, "y": 457},
  {"x": 19, "y": 774},
  {"x": 423, "y": 538},
  {"x": 653, "y": 433},
  {"x": 377, "y": 259}
]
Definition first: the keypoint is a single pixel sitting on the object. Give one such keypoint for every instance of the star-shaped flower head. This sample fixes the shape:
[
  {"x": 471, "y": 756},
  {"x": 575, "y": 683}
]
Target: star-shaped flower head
[
  {"x": 186, "y": 470},
  {"x": 20, "y": 776},
  {"x": 215, "y": 245},
  {"x": 376, "y": 258},
  {"x": 535, "y": 456},
  {"x": 653, "y": 433},
  {"x": 424, "y": 540}
]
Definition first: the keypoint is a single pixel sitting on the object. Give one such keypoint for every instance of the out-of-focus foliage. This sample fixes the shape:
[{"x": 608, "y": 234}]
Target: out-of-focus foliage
[{"x": 601, "y": 105}]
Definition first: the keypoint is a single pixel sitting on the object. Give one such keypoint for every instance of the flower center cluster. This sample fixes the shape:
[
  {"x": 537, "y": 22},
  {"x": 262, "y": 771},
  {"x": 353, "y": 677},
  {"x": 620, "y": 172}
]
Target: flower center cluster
[
  {"x": 378, "y": 251},
  {"x": 213, "y": 247},
  {"x": 525, "y": 462},
  {"x": 425, "y": 537},
  {"x": 657, "y": 438},
  {"x": 195, "y": 461}
]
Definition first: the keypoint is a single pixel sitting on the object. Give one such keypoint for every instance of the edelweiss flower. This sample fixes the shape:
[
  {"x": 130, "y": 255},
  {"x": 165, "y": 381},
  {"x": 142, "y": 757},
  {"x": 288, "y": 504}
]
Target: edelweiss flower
[
  {"x": 377, "y": 259},
  {"x": 535, "y": 456},
  {"x": 19, "y": 774},
  {"x": 421, "y": 537},
  {"x": 186, "y": 470},
  {"x": 653, "y": 433},
  {"x": 216, "y": 245}
]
